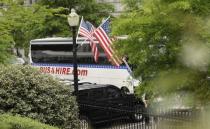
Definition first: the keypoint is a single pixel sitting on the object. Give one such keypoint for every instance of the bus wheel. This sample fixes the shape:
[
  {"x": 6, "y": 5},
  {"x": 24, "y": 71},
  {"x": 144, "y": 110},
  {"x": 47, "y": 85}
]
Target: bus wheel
[{"x": 124, "y": 90}]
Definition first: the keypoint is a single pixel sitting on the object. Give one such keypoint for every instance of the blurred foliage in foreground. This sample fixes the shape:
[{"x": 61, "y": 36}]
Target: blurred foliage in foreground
[
  {"x": 196, "y": 120},
  {"x": 24, "y": 91},
  {"x": 169, "y": 43},
  {"x": 17, "y": 122}
]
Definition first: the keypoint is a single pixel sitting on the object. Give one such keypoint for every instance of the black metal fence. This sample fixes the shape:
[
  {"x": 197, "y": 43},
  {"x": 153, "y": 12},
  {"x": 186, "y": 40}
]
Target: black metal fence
[{"x": 143, "y": 119}]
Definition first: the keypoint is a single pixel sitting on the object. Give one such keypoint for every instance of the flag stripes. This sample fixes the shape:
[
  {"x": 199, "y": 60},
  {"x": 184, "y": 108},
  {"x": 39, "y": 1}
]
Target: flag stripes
[
  {"x": 93, "y": 45},
  {"x": 86, "y": 30},
  {"x": 105, "y": 42}
]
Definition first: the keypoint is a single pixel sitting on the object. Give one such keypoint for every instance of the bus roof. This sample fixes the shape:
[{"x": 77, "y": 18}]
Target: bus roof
[
  {"x": 59, "y": 40},
  {"x": 62, "y": 40}
]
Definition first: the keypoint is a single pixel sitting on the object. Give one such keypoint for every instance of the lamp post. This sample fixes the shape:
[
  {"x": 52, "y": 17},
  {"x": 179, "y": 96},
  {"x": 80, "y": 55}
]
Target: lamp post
[{"x": 73, "y": 20}]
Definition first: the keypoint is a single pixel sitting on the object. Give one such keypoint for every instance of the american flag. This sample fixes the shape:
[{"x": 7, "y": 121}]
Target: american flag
[
  {"x": 101, "y": 34},
  {"x": 86, "y": 29},
  {"x": 93, "y": 45}
]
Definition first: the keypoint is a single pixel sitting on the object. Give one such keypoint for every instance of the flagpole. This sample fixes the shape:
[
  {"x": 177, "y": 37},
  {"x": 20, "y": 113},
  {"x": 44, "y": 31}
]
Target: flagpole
[
  {"x": 129, "y": 70},
  {"x": 116, "y": 62},
  {"x": 128, "y": 67},
  {"x": 79, "y": 29},
  {"x": 86, "y": 38},
  {"x": 93, "y": 31},
  {"x": 104, "y": 21},
  {"x": 82, "y": 43},
  {"x": 78, "y": 34}
]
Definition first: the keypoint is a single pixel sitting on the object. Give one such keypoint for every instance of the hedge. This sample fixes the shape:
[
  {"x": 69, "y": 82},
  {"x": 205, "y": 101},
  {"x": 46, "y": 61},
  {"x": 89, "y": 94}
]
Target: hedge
[
  {"x": 25, "y": 91},
  {"x": 17, "y": 122}
]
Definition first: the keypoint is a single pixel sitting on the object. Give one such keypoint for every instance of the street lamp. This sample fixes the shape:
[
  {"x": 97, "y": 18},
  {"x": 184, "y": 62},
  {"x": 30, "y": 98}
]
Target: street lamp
[{"x": 73, "y": 20}]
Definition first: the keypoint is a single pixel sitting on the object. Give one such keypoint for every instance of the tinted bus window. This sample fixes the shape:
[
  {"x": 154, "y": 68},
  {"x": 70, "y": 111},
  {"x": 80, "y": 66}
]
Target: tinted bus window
[
  {"x": 62, "y": 53},
  {"x": 51, "y": 53},
  {"x": 87, "y": 48}
]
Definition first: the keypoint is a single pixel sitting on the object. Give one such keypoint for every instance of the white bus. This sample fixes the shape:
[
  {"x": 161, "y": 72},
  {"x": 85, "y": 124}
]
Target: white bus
[{"x": 54, "y": 56}]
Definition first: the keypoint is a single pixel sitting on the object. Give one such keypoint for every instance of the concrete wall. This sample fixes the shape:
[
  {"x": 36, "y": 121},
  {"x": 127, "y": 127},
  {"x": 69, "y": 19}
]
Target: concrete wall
[
  {"x": 117, "y": 5},
  {"x": 119, "y": 8},
  {"x": 29, "y": 2}
]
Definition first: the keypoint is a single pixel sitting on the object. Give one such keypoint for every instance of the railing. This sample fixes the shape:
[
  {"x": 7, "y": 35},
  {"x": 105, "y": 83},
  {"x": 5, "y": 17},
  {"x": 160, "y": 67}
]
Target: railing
[{"x": 122, "y": 119}]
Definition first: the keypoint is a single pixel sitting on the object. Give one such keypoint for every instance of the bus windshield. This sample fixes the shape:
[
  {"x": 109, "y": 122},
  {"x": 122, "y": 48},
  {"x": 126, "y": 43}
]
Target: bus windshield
[{"x": 62, "y": 53}]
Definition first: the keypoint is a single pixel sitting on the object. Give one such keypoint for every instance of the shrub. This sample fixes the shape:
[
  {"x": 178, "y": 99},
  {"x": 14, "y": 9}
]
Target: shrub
[
  {"x": 24, "y": 91},
  {"x": 17, "y": 122}
]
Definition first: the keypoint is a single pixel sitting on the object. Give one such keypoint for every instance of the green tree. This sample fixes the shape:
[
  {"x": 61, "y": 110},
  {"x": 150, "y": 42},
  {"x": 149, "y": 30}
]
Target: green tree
[
  {"x": 6, "y": 41},
  {"x": 25, "y": 23},
  {"x": 132, "y": 4},
  {"x": 90, "y": 9},
  {"x": 169, "y": 43},
  {"x": 20, "y": 23}
]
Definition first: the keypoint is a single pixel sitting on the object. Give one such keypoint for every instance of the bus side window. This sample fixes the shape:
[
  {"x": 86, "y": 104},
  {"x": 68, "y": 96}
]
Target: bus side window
[
  {"x": 84, "y": 48},
  {"x": 90, "y": 60}
]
